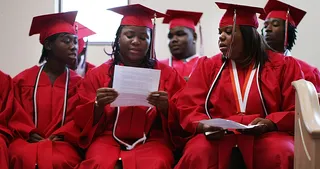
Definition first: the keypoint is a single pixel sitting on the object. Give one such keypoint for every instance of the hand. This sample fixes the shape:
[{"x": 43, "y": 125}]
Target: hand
[
  {"x": 105, "y": 96},
  {"x": 211, "y": 132},
  {"x": 56, "y": 138},
  {"x": 159, "y": 99},
  {"x": 34, "y": 138},
  {"x": 263, "y": 126}
]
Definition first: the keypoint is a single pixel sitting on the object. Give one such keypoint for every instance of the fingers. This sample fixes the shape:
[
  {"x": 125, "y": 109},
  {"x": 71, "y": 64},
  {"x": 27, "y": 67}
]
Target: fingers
[
  {"x": 200, "y": 128},
  {"x": 246, "y": 131},
  {"x": 270, "y": 125},
  {"x": 34, "y": 138},
  {"x": 159, "y": 92},
  {"x": 158, "y": 99},
  {"x": 210, "y": 132},
  {"x": 215, "y": 135},
  {"x": 57, "y": 138},
  {"x": 105, "y": 89},
  {"x": 207, "y": 128},
  {"x": 37, "y": 136},
  {"x": 158, "y": 96},
  {"x": 106, "y": 96},
  {"x": 213, "y": 128},
  {"x": 51, "y": 137},
  {"x": 106, "y": 100},
  {"x": 158, "y": 102},
  {"x": 103, "y": 92},
  {"x": 256, "y": 121},
  {"x": 257, "y": 130}
]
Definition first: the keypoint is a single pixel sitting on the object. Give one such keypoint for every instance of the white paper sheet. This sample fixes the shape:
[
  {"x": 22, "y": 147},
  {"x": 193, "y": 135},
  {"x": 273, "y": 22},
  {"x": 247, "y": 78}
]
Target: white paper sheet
[
  {"x": 134, "y": 85},
  {"x": 225, "y": 124}
]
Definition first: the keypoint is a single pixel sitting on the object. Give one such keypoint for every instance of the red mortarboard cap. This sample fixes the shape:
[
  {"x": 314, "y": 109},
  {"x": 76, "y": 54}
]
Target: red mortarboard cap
[
  {"x": 245, "y": 15},
  {"x": 137, "y": 15},
  {"x": 182, "y": 18},
  {"x": 278, "y": 9},
  {"x": 81, "y": 44},
  {"x": 48, "y": 25},
  {"x": 83, "y": 31}
]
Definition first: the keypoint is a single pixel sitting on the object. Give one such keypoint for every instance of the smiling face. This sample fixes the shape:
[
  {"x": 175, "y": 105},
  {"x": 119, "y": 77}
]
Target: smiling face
[{"x": 134, "y": 43}]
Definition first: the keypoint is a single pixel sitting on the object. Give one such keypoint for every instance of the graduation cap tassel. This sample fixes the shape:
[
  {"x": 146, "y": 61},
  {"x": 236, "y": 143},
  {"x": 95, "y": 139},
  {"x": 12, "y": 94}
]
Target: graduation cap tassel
[
  {"x": 233, "y": 32},
  {"x": 85, "y": 54},
  {"x": 153, "y": 55},
  {"x": 201, "y": 40},
  {"x": 170, "y": 61},
  {"x": 286, "y": 30}
]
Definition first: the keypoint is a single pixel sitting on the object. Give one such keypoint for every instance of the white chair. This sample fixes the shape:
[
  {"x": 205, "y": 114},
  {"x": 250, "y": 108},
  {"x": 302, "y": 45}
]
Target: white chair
[{"x": 307, "y": 126}]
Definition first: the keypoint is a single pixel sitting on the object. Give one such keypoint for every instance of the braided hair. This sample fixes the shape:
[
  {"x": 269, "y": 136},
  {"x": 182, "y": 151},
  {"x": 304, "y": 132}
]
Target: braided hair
[
  {"x": 148, "y": 62},
  {"x": 292, "y": 36}
]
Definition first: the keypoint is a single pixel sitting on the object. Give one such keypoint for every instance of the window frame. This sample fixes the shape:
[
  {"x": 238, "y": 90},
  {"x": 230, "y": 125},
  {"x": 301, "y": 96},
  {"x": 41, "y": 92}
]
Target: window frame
[{"x": 96, "y": 43}]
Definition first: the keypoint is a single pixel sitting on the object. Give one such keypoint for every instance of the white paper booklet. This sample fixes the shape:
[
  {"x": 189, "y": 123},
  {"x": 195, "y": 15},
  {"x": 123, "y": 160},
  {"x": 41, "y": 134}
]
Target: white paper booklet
[
  {"x": 226, "y": 124},
  {"x": 134, "y": 85}
]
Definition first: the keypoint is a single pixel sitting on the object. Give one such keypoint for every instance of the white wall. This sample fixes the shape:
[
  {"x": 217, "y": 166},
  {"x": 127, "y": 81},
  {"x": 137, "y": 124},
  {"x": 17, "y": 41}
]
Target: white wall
[{"x": 19, "y": 51}]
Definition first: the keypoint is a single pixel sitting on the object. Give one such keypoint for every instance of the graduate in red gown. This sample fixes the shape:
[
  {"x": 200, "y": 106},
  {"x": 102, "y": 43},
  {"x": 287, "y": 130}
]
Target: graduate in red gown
[
  {"x": 183, "y": 39},
  {"x": 48, "y": 96},
  {"x": 280, "y": 32},
  {"x": 6, "y": 110},
  {"x": 247, "y": 84},
  {"x": 133, "y": 136},
  {"x": 83, "y": 67}
]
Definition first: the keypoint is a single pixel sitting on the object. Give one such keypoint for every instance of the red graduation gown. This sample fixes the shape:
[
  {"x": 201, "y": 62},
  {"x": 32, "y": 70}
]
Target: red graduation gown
[
  {"x": 270, "y": 150},
  {"x": 46, "y": 154},
  {"x": 89, "y": 66},
  {"x": 183, "y": 68},
  {"x": 311, "y": 73},
  {"x": 6, "y": 109},
  {"x": 155, "y": 153}
]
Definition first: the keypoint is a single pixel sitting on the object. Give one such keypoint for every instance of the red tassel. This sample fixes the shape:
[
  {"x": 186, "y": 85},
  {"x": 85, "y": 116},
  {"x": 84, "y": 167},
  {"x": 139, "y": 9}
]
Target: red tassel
[
  {"x": 233, "y": 32},
  {"x": 201, "y": 40},
  {"x": 153, "y": 55},
  {"x": 286, "y": 30}
]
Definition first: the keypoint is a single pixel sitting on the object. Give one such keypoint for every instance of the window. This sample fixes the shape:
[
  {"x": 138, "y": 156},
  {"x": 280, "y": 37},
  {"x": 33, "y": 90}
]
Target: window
[{"x": 93, "y": 14}]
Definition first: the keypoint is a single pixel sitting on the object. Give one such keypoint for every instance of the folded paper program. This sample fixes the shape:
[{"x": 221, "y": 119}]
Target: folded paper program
[{"x": 226, "y": 124}]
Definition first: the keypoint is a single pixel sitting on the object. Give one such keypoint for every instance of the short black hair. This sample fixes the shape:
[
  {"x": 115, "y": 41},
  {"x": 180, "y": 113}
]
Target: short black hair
[{"x": 292, "y": 36}]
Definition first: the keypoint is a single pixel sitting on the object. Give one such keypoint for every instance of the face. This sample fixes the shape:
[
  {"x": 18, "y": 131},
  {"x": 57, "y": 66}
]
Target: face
[
  {"x": 225, "y": 39},
  {"x": 182, "y": 42},
  {"x": 65, "y": 49},
  {"x": 134, "y": 43},
  {"x": 273, "y": 32}
]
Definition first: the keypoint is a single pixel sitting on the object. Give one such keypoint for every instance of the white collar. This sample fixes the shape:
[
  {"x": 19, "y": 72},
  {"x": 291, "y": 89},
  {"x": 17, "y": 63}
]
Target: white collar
[
  {"x": 287, "y": 53},
  {"x": 191, "y": 57}
]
